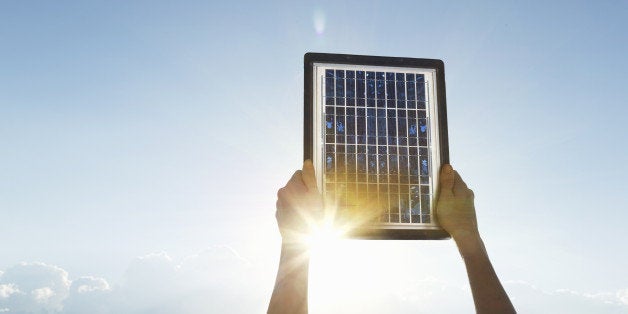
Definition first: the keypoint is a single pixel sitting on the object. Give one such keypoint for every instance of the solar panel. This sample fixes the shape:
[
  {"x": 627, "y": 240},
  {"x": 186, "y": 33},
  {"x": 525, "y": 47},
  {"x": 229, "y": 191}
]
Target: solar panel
[{"x": 375, "y": 128}]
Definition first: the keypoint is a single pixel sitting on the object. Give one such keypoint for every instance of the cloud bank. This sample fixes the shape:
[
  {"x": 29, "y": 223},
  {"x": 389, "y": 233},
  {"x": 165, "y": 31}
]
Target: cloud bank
[
  {"x": 218, "y": 280},
  {"x": 212, "y": 281}
]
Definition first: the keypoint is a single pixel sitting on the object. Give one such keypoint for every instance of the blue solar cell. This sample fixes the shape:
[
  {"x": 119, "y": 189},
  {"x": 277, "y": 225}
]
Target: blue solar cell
[
  {"x": 361, "y": 127},
  {"x": 424, "y": 179},
  {"x": 340, "y": 87},
  {"x": 350, "y": 92},
  {"x": 393, "y": 164},
  {"x": 329, "y": 87},
  {"x": 420, "y": 91},
  {"x": 360, "y": 89},
  {"x": 403, "y": 165},
  {"x": 381, "y": 90},
  {"x": 424, "y": 167},
  {"x": 405, "y": 213},
  {"x": 329, "y": 163},
  {"x": 403, "y": 140},
  {"x": 414, "y": 166},
  {"x": 381, "y": 125},
  {"x": 340, "y": 125},
  {"x": 392, "y": 130},
  {"x": 410, "y": 90},
  {"x": 401, "y": 91},
  {"x": 422, "y": 141},
  {"x": 423, "y": 127},
  {"x": 329, "y": 123},
  {"x": 370, "y": 126},
  {"x": 413, "y": 129},
  {"x": 350, "y": 126},
  {"x": 425, "y": 204},
  {"x": 390, "y": 89},
  {"x": 370, "y": 89},
  {"x": 425, "y": 189},
  {"x": 361, "y": 161},
  {"x": 402, "y": 127}
]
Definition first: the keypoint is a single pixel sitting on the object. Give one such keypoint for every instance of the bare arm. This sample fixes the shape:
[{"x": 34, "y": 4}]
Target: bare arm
[
  {"x": 456, "y": 213},
  {"x": 299, "y": 207}
]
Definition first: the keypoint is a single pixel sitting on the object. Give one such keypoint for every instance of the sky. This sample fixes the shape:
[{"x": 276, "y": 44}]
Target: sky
[{"x": 143, "y": 142}]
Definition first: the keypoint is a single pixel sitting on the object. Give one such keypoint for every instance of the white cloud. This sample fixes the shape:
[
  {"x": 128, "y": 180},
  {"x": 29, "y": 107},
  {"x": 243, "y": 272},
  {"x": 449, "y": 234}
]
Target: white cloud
[
  {"x": 622, "y": 295},
  {"x": 42, "y": 295},
  {"x": 35, "y": 287},
  {"x": 7, "y": 290},
  {"x": 531, "y": 299},
  {"x": 89, "y": 284},
  {"x": 218, "y": 280}
]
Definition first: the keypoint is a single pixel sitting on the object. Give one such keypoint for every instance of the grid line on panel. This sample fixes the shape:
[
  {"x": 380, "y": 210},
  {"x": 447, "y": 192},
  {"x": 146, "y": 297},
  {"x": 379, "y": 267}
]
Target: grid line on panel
[
  {"x": 406, "y": 171},
  {"x": 429, "y": 151},
  {"x": 390, "y": 217},
  {"x": 400, "y": 99},
  {"x": 380, "y": 205},
  {"x": 418, "y": 214}
]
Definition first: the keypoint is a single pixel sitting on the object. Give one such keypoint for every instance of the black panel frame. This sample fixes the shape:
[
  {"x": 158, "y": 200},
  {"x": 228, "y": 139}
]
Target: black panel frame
[{"x": 310, "y": 59}]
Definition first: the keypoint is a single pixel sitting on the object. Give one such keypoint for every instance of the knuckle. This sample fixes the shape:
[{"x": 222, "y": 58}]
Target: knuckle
[
  {"x": 281, "y": 193},
  {"x": 470, "y": 193}
]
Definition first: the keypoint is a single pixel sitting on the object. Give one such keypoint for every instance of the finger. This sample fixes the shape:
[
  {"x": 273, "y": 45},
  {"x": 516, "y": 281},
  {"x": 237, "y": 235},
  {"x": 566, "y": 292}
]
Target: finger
[
  {"x": 446, "y": 179},
  {"x": 470, "y": 194},
  {"x": 296, "y": 177},
  {"x": 309, "y": 177},
  {"x": 296, "y": 182},
  {"x": 459, "y": 186}
]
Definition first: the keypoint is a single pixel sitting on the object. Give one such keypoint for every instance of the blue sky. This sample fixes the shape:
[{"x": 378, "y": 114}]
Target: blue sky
[{"x": 139, "y": 136}]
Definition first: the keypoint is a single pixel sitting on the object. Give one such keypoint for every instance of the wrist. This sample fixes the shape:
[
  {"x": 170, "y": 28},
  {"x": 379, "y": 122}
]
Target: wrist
[
  {"x": 292, "y": 247},
  {"x": 469, "y": 243}
]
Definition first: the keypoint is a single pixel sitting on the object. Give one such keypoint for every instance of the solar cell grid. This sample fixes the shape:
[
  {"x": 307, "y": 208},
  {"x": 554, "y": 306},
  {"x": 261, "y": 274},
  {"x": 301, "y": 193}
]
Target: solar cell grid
[{"x": 376, "y": 139}]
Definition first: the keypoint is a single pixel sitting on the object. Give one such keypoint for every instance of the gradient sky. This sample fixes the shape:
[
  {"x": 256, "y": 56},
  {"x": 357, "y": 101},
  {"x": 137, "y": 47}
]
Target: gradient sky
[{"x": 135, "y": 131}]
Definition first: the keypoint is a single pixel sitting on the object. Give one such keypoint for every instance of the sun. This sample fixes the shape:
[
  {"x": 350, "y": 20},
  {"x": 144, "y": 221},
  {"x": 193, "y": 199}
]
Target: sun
[{"x": 322, "y": 237}]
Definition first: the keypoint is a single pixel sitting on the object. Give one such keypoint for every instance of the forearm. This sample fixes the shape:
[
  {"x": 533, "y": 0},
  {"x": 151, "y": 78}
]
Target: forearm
[
  {"x": 290, "y": 293},
  {"x": 488, "y": 294}
]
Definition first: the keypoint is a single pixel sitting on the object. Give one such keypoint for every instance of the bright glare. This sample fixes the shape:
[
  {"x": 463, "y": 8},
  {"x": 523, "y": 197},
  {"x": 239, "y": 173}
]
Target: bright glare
[{"x": 322, "y": 237}]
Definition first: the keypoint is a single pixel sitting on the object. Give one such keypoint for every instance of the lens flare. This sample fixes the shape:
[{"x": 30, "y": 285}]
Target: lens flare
[{"x": 319, "y": 22}]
